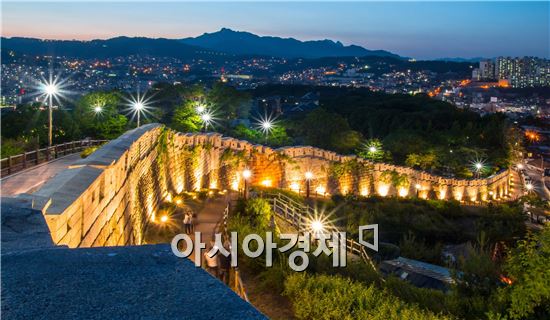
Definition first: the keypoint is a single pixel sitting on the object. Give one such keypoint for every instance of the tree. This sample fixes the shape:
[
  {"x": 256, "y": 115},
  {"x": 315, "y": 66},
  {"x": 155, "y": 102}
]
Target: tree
[
  {"x": 373, "y": 150},
  {"x": 97, "y": 114},
  {"x": 423, "y": 161},
  {"x": 186, "y": 118},
  {"x": 527, "y": 267}
]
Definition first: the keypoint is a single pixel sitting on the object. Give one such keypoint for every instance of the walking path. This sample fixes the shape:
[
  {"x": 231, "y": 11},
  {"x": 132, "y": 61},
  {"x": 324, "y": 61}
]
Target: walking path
[{"x": 30, "y": 180}]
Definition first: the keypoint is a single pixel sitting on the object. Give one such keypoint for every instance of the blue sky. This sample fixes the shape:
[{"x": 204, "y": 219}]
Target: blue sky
[{"x": 415, "y": 29}]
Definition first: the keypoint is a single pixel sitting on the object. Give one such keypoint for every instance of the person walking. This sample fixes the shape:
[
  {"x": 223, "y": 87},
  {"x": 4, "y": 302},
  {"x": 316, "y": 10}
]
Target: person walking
[
  {"x": 186, "y": 222},
  {"x": 211, "y": 263}
]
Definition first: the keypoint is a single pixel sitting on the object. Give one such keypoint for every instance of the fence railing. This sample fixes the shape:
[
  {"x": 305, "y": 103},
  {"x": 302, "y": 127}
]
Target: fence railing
[
  {"x": 297, "y": 214},
  {"x": 237, "y": 284},
  {"x": 13, "y": 164}
]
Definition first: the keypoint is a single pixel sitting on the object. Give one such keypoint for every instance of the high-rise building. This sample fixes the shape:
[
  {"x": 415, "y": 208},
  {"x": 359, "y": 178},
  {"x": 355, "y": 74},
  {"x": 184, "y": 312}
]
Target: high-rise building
[
  {"x": 523, "y": 72},
  {"x": 487, "y": 70}
]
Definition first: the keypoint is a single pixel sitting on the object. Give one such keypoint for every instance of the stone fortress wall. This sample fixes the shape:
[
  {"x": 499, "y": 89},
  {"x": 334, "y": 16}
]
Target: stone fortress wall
[{"x": 109, "y": 198}]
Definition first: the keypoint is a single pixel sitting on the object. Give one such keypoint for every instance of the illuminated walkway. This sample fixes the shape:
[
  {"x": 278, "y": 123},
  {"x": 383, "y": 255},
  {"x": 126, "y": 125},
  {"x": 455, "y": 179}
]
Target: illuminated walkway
[{"x": 30, "y": 180}]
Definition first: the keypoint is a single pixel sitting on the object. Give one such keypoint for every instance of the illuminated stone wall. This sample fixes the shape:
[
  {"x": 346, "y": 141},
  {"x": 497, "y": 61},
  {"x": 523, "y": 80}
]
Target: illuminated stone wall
[
  {"x": 332, "y": 173},
  {"x": 109, "y": 198}
]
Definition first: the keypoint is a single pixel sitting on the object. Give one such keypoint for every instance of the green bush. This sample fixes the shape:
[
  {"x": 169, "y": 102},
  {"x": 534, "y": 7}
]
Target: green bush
[
  {"x": 88, "y": 151},
  {"x": 335, "y": 297}
]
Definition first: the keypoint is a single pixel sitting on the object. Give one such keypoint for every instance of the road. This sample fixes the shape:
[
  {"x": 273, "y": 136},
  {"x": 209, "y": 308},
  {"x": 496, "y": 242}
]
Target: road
[
  {"x": 535, "y": 173},
  {"x": 30, "y": 180}
]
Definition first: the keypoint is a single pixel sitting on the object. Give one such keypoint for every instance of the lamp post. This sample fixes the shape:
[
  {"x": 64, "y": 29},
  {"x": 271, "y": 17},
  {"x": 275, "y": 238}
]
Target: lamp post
[
  {"x": 309, "y": 176},
  {"x": 246, "y": 175},
  {"x": 206, "y": 118},
  {"x": 50, "y": 89},
  {"x": 418, "y": 187},
  {"x": 478, "y": 167},
  {"x": 138, "y": 106}
]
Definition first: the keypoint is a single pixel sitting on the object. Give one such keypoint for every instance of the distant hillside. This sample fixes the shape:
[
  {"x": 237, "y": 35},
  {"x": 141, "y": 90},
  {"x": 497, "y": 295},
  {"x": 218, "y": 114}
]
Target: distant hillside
[
  {"x": 246, "y": 43},
  {"x": 115, "y": 47}
]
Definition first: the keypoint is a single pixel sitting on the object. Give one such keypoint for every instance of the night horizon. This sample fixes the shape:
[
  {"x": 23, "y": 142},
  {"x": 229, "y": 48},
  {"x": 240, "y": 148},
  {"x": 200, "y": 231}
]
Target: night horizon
[
  {"x": 437, "y": 30},
  {"x": 285, "y": 161}
]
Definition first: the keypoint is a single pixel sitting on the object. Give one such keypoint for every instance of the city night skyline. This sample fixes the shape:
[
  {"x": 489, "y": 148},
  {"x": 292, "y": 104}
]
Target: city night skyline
[{"x": 435, "y": 30}]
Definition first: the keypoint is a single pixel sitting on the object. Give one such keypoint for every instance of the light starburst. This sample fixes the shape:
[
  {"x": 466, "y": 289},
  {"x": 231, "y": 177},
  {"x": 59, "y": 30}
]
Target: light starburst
[
  {"x": 139, "y": 105},
  {"x": 266, "y": 124}
]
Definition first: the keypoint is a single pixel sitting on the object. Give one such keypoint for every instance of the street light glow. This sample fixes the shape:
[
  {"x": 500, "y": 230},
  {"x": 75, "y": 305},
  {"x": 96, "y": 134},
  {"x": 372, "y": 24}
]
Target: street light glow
[
  {"x": 164, "y": 218},
  {"x": 529, "y": 186},
  {"x": 200, "y": 109},
  {"x": 317, "y": 226},
  {"x": 51, "y": 89},
  {"x": 265, "y": 124},
  {"x": 478, "y": 166},
  {"x": 138, "y": 105},
  {"x": 309, "y": 175},
  {"x": 98, "y": 109},
  {"x": 247, "y": 174},
  {"x": 418, "y": 186},
  {"x": 372, "y": 149}
]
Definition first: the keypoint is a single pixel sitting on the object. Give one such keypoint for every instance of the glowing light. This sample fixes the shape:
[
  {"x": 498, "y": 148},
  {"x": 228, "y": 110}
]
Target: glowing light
[
  {"x": 520, "y": 166},
  {"x": 265, "y": 124},
  {"x": 529, "y": 186},
  {"x": 51, "y": 89},
  {"x": 201, "y": 108},
  {"x": 309, "y": 175},
  {"x": 266, "y": 183},
  {"x": 169, "y": 198},
  {"x": 442, "y": 194},
  {"x": 458, "y": 196},
  {"x": 98, "y": 109},
  {"x": 320, "y": 190},
  {"x": 383, "y": 190},
  {"x": 364, "y": 192},
  {"x": 403, "y": 192},
  {"x": 317, "y": 226},
  {"x": 206, "y": 117},
  {"x": 418, "y": 186},
  {"x": 372, "y": 149},
  {"x": 138, "y": 105},
  {"x": 164, "y": 218},
  {"x": 294, "y": 186},
  {"x": 247, "y": 174},
  {"x": 178, "y": 201}
]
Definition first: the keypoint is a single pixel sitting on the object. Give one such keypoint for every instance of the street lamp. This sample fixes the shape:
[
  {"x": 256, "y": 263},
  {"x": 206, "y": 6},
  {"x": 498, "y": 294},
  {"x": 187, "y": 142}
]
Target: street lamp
[
  {"x": 98, "y": 109},
  {"x": 478, "y": 166},
  {"x": 206, "y": 119},
  {"x": 372, "y": 149},
  {"x": 138, "y": 107},
  {"x": 529, "y": 187},
  {"x": 50, "y": 89},
  {"x": 317, "y": 226},
  {"x": 418, "y": 187},
  {"x": 201, "y": 108},
  {"x": 246, "y": 175},
  {"x": 309, "y": 176}
]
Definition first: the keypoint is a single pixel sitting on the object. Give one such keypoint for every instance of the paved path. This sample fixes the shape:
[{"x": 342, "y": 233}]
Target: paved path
[{"x": 30, "y": 180}]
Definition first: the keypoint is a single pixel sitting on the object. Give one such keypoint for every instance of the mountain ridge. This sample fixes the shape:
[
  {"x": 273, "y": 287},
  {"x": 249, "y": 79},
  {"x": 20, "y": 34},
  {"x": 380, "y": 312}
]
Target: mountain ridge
[{"x": 247, "y": 43}]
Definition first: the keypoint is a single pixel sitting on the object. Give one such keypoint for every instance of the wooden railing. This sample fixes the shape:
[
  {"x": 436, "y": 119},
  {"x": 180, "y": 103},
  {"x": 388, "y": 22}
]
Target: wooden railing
[
  {"x": 236, "y": 282},
  {"x": 13, "y": 164},
  {"x": 297, "y": 214}
]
